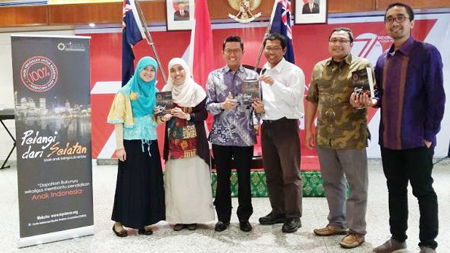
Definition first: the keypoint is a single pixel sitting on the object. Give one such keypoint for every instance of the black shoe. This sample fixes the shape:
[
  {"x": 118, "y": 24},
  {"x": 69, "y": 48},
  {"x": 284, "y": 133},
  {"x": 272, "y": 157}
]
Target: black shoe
[
  {"x": 221, "y": 226},
  {"x": 291, "y": 225},
  {"x": 192, "y": 226},
  {"x": 179, "y": 227},
  {"x": 143, "y": 231},
  {"x": 272, "y": 218},
  {"x": 245, "y": 226}
]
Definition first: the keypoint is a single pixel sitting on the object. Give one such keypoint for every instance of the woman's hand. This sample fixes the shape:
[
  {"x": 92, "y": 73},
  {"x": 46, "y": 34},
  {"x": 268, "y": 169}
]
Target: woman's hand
[
  {"x": 166, "y": 117},
  {"x": 121, "y": 154},
  {"x": 177, "y": 112}
]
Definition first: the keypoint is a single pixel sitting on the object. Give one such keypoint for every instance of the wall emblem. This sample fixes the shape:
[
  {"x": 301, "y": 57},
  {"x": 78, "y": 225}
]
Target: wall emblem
[{"x": 244, "y": 8}]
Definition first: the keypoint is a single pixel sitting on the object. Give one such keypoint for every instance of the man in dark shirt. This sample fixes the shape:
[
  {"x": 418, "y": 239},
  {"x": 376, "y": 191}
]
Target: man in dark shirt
[
  {"x": 182, "y": 13},
  {"x": 410, "y": 92},
  {"x": 310, "y": 7}
]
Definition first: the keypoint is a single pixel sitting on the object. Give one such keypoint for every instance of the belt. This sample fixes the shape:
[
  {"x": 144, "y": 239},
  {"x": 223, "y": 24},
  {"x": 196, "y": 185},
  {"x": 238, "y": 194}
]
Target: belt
[{"x": 282, "y": 120}]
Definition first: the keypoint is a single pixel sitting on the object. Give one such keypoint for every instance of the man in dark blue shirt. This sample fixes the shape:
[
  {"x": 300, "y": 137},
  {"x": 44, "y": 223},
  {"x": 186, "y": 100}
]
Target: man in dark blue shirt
[{"x": 411, "y": 95}]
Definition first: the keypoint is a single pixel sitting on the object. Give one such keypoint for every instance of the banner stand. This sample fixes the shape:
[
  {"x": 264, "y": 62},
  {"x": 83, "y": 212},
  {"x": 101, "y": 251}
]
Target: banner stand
[
  {"x": 53, "y": 131},
  {"x": 56, "y": 236}
]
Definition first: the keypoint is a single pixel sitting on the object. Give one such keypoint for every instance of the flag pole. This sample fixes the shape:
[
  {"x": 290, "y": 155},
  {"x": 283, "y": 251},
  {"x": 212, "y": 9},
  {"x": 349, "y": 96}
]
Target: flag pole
[
  {"x": 269, "y": 27},
  {"x": 149, "y": 39}
]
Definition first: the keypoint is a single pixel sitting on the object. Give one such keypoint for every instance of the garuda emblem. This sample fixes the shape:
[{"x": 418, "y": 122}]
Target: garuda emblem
[{"x": 245, "y": 8}]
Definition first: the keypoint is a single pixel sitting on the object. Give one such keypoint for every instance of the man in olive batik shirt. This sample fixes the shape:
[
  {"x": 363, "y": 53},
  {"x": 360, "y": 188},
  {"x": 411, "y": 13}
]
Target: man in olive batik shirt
[{"x": 341, "y": 138}]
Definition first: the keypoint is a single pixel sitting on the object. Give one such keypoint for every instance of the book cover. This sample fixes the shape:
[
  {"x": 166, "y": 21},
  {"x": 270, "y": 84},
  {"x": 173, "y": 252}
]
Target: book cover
[
  {"x": 164, "y": 102},
  {"x": 363, "y": 81},
  {"x": 250, "y": 91}
]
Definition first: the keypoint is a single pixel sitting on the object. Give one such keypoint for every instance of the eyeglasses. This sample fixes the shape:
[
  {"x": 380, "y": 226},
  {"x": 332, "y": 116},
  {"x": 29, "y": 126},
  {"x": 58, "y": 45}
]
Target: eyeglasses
[
  {"x": 272, "y": 48},
  {"x": 399, "y": 19},
  {"x": 341, "y": 41},
  {"x": 230, "y": 51}
]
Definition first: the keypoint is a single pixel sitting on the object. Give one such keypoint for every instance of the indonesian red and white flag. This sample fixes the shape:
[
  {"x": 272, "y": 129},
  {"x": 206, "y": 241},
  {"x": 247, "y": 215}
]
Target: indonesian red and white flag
[{"x": 201, "y": 54}]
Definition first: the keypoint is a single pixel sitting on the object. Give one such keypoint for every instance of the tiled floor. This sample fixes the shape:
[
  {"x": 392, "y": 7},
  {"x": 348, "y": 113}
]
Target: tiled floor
[{"x": 261, "y": 239}]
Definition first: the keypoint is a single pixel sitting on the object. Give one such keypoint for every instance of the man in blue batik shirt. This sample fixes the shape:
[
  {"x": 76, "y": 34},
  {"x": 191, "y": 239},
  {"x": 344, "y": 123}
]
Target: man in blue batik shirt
[{"x": 232, "y": 134}]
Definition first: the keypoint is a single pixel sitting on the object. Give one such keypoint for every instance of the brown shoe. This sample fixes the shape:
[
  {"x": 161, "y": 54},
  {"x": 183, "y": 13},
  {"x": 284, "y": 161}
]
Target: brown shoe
[
  {"x": 121, "y": 233},
  {"x": 352, "y": 240},
  {"x": 329, "y": 230},
  {"x": 390, "y": 245}
]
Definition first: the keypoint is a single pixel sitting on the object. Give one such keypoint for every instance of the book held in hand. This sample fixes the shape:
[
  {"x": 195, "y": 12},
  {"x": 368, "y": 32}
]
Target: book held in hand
[
  {"x": 250, "y": 91},
  {"x": 164, "y": 102},
  {"x": 363, "y": 82}
]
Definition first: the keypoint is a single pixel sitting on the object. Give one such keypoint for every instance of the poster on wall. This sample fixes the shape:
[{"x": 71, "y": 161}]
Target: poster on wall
[{"x": 53, "y": 125}]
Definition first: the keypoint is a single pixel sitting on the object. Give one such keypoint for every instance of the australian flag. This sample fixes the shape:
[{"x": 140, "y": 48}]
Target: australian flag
[
  {"x": 130, "y": 36},
  {"x": 282, "y": 24}
]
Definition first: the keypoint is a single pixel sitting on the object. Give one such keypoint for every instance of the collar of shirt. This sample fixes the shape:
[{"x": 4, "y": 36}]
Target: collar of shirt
[
  {"x": 227, "y": 69},
  {"x": 404, "y": 49},
  {"x": 277, "y": 68},
  {"x": 348, "y": 60}
]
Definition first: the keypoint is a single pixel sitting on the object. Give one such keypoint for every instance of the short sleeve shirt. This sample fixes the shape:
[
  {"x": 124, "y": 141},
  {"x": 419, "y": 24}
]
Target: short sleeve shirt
[{"x": 339, "y": 124}]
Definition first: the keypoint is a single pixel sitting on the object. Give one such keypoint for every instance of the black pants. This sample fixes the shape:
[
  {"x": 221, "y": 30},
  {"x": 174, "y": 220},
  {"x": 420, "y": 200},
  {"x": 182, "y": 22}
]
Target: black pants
[
  {"x": 242, "y": 159},
  {"x": 280, "y": 142},
  {"x": 414, "y": 165}
]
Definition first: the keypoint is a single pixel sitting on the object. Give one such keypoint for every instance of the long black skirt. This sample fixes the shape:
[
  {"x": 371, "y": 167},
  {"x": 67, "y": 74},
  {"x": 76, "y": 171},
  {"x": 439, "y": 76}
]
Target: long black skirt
[{"x": 139, "y": 198}]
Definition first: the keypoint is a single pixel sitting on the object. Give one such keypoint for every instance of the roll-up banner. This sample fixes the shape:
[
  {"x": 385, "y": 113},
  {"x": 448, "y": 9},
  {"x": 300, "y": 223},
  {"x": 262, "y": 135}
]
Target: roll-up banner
[{"x": 53, "y": 132}]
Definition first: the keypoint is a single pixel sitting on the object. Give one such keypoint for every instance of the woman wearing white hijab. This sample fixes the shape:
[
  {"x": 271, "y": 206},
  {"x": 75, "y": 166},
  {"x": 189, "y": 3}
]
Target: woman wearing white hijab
[{"x": 186, "y": 151}]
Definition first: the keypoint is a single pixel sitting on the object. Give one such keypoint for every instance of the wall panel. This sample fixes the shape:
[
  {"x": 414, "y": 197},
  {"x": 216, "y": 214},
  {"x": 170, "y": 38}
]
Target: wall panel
[
  {"x": 335, "y": 6},
  {"x": 102, "y": 13},
  {"x": 155, "y": 11},
  {"x": 23, "y": 16}
]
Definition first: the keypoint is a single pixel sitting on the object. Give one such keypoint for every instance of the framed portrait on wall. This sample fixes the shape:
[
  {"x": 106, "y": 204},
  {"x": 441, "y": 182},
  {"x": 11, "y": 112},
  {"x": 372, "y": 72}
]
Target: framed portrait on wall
[
  {"x": 180, "y": 14},
  {"x": 311, "y": 11}
]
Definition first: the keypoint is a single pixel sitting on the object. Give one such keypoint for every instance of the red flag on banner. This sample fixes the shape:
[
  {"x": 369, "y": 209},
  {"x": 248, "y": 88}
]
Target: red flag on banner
[{"x": 201, "y": 54}]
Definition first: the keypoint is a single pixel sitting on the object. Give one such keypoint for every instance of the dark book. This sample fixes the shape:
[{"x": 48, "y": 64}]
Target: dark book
[
  {"x": 250, "y": 91},
  {"x": 363, "y": 81},
  {"x": 164, "y": 102}
]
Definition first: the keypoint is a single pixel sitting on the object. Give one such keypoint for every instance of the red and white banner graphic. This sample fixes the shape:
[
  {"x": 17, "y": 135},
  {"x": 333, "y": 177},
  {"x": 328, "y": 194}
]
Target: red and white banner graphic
[{"x": 311, "y": 46}]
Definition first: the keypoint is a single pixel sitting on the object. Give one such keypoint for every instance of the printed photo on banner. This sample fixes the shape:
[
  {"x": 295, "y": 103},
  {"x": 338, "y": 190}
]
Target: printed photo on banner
[
  {"x": 311, "y": 11},
  {"x": 180, "y": 14}
]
